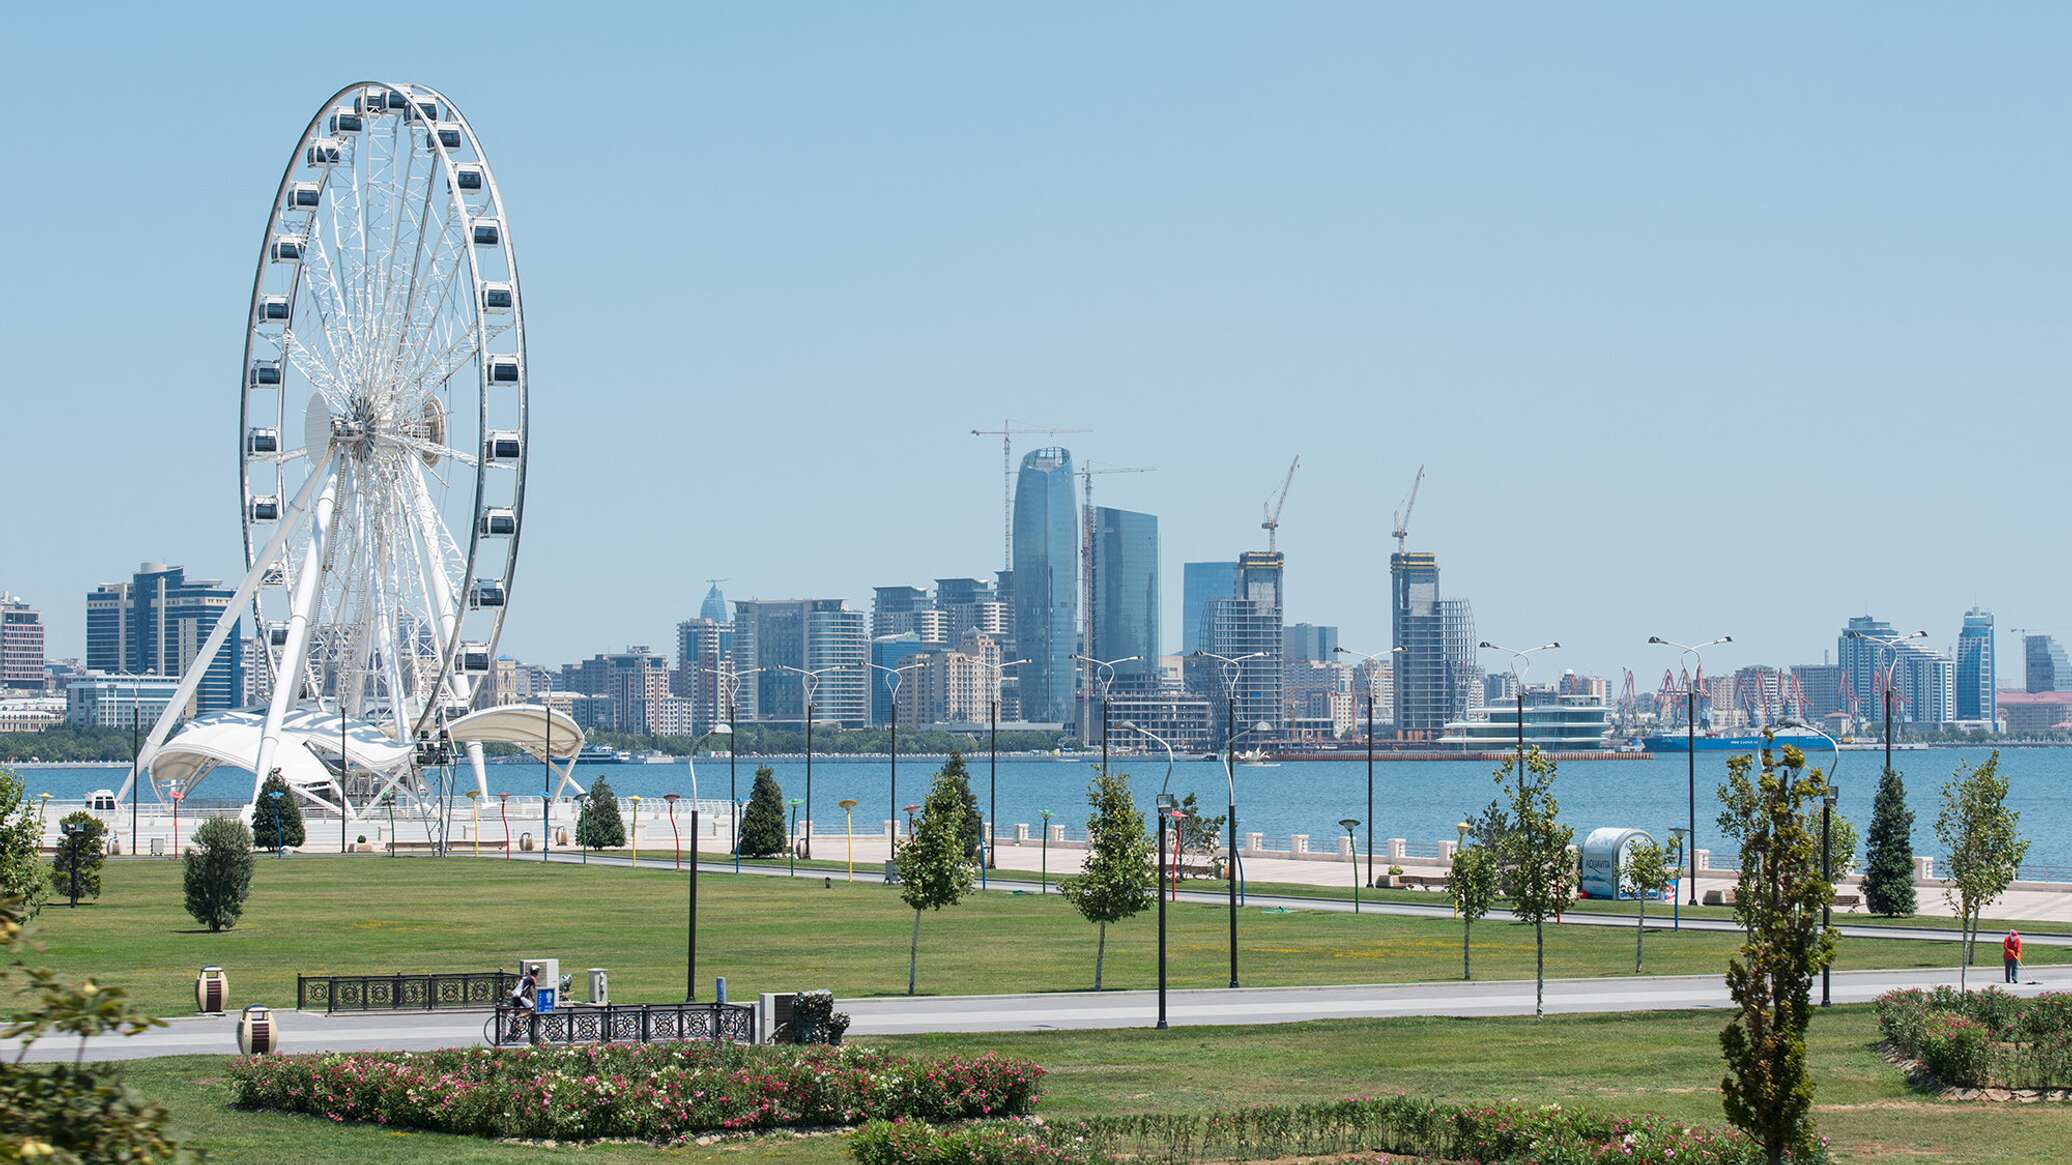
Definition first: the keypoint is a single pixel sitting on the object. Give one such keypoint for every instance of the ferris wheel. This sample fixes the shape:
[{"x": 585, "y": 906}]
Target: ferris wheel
[{"x": 382, "y": 449}]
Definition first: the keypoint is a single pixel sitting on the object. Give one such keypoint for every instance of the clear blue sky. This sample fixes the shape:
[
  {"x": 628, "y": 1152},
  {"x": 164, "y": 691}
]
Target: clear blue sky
[{"x": 1703, "y": 319}]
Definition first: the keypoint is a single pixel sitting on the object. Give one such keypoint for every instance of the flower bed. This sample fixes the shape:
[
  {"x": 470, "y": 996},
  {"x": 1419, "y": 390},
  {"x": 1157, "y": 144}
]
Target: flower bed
[
  {"x": 1394, "y": 1125},
  {"x": 1983, "y": 1039},
  {"x": 655, "y": 1092}
]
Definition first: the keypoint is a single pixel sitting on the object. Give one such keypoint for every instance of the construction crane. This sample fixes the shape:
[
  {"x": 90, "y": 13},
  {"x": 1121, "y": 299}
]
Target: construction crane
[
  {"x": 1007, "y": 432},
  {"x": 1087, "y": 470},
  {"x": 1272, "y": 524},
  {"x": 1402, "y": 532}
]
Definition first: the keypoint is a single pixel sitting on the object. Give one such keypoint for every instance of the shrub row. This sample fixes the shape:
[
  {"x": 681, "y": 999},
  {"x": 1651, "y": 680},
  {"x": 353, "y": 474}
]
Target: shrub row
[
  {"x": 1983, "y": 1038},
  {"x": 1394, "y": 1125},
  {"x": 655, "y": 1092}
]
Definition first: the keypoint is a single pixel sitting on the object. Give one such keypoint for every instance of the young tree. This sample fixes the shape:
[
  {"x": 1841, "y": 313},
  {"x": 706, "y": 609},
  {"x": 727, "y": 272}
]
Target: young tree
[
  {"x": 1888, "y": 876},
  {"x": 285, "y": 808},
  {"x": 762, "y": 826},
  {"x": 1472, "y": 885},
  {"x": 1200, "y": 836},
  {"x": 218, "y": 872},
  {"x": 1540, "y": 873},
  {"x": 79, "y": 855},
  {"x": 971, "y": 834},
  {"x": 1979, "y": 833},
  {"x": 934, "y": 870},
  {"x": 1647, "y": 870},
  {"x": 1118, "y": 878},
  {"x": 21, "y": 836},
  {"x": 1767, "y": 1091},
  {"x": 598, "y": 824}
]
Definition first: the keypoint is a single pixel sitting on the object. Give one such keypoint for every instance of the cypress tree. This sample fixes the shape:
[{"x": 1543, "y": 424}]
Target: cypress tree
[
  {"x": 762, "y": 826},
  {"x": 971, "y": 831},
  {"x": 288, "y": 811},
  {"x": 599, "y": 825},
  {"x": 1888, "y": 876}
]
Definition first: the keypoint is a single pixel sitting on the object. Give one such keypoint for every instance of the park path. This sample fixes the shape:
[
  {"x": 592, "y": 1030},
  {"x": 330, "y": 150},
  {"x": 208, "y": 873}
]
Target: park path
[{"x": 886, "y": 1015}]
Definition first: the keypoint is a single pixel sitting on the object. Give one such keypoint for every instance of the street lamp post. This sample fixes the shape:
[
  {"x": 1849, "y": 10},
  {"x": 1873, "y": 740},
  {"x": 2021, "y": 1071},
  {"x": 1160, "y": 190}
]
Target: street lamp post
[
  {"x": 1349, "y": 824},
  {"x": 690, "y": 964},
  {"x": 1104, "y": 674},
  {"x": 1827, "y": 858},
  {"x": 1369, "y": 657},
  {"x": 733, "y": 760},
  {"x": 809, "y": 683},
  {"x": 1677, "y": 834},
  {"x": 1695, "y": 651},
  {"x": 73, "y": 845},
  {"x": 993, "y": 763},
  {"x": 675, "y": 838},
  {"x": 848, "y": 804},
  {"x": 1167, "y": 804},
  {"x": 582, "y": 801},
  {"x": 1521, "y": 665},
  {"x": 176, "y": 794},
  {"x": 280, "y": 844},
  {"x": 1230, "y": 670},
  {"x": 1891, "y": 673},
  {"x": 634, "y": 833},
  {"x": 893, "y": 676},
  {"x": 794, "y": 846},
  {"x": 474, "y": 797},
  {"x": 1045, "y": 814}
]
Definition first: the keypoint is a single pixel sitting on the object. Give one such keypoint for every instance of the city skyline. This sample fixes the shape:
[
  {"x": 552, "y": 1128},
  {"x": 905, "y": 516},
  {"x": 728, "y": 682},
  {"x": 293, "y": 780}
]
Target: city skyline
[{"x": 1610, "y": 323}]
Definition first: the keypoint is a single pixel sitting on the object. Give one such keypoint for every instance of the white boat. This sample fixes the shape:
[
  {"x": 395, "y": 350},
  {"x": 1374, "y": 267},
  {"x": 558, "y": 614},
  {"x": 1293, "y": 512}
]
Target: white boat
[{"x": 653, "y": 757}]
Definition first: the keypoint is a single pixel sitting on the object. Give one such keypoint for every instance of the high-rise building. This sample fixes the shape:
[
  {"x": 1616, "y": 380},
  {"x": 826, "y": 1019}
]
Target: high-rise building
[
  {"x": 953, "y": 685},
  {"x": 129, "y": 701},
  {"x": 815, "y": 635},
  {"x": 1821, "y": 684},
  {"x": 714, "y": 608},
  {"x": 893, "y": 609},
  {"x": 891, "y": 651},
  {"x": 21, "y": 646},
  {"x": 633, "y": 684},
  {"x": 155, "y": 624},
  {"x": 1046, "y": 584},
  {"x": 1437, "y": 673},
  {"x": 2045, "y": 667},
  {"x": 1124, "y": 620},
  {"x": 1309, "y": 641},
  {"x": 1247, "y": 623},
  {"x": 1924, "y": 681},
  {"x": 704, "y": 673},
  {"x": 1201, "y": 582},
  {"x": 1976, "y": 691},
  {"x": 1758, "y": 690}
]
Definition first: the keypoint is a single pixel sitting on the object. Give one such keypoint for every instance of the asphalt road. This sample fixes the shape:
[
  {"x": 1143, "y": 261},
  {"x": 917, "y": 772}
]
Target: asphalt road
[{"x": 423, "y": 1031}]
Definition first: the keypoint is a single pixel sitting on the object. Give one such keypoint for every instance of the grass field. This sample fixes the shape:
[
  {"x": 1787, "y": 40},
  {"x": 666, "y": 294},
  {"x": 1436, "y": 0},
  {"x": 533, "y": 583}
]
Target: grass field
[
  {"x": 375, "y": 915},
  {"x": 1665, "y": 1063}
]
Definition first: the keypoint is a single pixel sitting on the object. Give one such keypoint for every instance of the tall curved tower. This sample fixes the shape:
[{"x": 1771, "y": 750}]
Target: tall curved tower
[{"x": 1046, "y": 583}]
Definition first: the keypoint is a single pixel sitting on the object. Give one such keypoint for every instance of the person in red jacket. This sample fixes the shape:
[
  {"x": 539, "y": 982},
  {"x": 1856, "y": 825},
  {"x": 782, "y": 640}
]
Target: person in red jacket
[{"x": 2011, "y": 954}]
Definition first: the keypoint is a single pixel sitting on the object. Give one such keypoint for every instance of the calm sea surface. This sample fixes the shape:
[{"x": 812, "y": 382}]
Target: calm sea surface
[{"x": 1418, "y": 800}]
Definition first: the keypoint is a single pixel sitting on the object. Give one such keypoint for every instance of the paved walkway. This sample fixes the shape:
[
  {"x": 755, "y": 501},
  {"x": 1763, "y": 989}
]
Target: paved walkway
[{"x": 423, "y": 1031}]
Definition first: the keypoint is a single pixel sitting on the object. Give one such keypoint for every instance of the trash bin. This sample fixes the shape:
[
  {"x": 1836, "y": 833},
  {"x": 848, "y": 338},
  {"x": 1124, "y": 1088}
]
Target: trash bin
[
  {"x": 211, "y": 990},
  {"x": 257, "y": 1033}
]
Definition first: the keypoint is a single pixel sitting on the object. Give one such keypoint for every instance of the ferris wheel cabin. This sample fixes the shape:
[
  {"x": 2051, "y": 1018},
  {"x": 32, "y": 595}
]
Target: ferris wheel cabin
[
  {"x": 503, "y": 370},
  {"x": 488, "y": 593},
  {"x": 501, "y": 446},
  {"x": 263, "y": 441},
  {"x": 487, "y": 232},
  {"x": 500, "y": 522},
  {"x": 498, "y": 297},
  {"x": 303, "y": 196},
  {"x": 266, "y": 508},
  {"x": 272, "y": 309},
  {"x": 264, "y": 374}
]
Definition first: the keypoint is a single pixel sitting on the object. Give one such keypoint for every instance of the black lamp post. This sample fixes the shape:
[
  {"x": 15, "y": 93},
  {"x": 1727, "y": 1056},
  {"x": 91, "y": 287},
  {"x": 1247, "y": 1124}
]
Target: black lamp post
[
  {"x": 73, "y": 843},
  {"x": 1677, "y": 834},
  {"x": 993, "y": 764},
  {"x": 1827, "y": 874},
  {"x": 809, "y": 683},
  {"x": 1167, "y": 803},
  {"x": 1691, "y": 742},
  {"x": 734, "y": 759},
  {"x": 893, "y": 677},
  {"x": 794, "y": 846},
  {"x": 1231, "y": 669},
  {"x": 582, "y": 835},
  {"x": 1369, "y": 657},
  {"x": 690, "y": 963},
  {"x": 1349, "y": 824},
  {"x": 1045, "y": 813}
]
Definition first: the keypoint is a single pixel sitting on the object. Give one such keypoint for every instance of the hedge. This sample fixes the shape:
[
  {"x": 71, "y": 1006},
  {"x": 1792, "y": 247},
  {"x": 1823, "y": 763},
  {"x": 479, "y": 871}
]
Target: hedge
[
  {"x": 1394, "y": 1125},
  {"x": 1983, "y": 1038},
  {"x": 657, "y": 1092}
]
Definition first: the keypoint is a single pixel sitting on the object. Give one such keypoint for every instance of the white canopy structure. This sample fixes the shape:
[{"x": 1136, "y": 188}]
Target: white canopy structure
[
  {"x": 309, "y": 764},
  {"x": 548, "y": 735}
]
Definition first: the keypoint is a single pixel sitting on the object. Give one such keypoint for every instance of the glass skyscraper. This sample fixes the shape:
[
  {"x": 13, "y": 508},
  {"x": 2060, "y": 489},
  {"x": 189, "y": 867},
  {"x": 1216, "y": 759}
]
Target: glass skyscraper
[
  {"x": 2045, "y": 667},
  {"x": 1125, "y": 614},
  {"x": 1200, "y": 583},
  {"x": 1977, "y": 697},
  {"x": 155, "y": 624},
  {"x": 1436, "y": 669},
  {"x": 1046, "y": 584}
]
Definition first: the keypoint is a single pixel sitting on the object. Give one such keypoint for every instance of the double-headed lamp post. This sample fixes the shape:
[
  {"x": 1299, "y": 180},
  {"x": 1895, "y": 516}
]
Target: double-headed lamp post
[
  {"x": 1104, "y": 674},
  {"x": 993, "y": 760},
  {"x": 735, "y": 680},
  {"x": 809, "y": 684},
  {"x": 1521, "y": 666},
  {"x": 1368, "y": 657},
  {"x": 1890, "y": 673},
  {"x": 1168, "y": 807},
  {"x": 1231, "y": 668},
  {"x": 1695, "y": 651},
  {"x": 1827, "y": 851},
  {"x": 1349, "y": 824},
  {"x": 893, "y": 676}
]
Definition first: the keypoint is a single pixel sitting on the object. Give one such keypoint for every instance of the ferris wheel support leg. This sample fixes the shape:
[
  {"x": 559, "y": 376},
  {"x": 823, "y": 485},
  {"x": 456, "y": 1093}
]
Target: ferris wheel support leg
[
  {"x": 225, "y": 623},
  {"x": 296, "y": 653}
]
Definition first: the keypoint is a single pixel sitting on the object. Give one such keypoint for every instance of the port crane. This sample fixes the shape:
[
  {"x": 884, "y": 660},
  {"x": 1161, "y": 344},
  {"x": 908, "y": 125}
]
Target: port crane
[
  {"x": 1272, "y": 524},
  {"x": 1402, "y": 526},
  {"x": 1007, "y": 432}
]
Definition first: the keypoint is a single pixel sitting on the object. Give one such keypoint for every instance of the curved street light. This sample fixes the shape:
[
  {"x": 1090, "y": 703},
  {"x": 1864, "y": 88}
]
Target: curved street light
[
  {"x": 1696, "y": 652},
  {"x": 809, "y": 684},
  {"x": 893, "y": 677},
  {"x": 1890, "y": 672},
  {"x": 1827, "y": 852},
  {"x": 734, "y": 681},
  {"x": 1104, "y": 672},
  {"x": 993, "y": 761},
  {"x": 1368, "y": 658}
]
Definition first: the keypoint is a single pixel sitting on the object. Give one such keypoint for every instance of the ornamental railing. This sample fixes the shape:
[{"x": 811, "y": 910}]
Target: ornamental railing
[
  {"x": 456, "y": 990},
  {"x": 624, "y": 1023}
]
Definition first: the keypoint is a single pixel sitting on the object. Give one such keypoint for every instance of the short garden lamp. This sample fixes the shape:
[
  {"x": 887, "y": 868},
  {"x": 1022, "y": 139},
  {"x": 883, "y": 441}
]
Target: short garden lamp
[
  {"x": 794, "y": 846},
  {"x": 1349, "y": 824},
  {"x": 280, "y": 843},
  {"x": 635, "y": 798},
  {"x": 475, "y": 818},
  {"x": 582, "y": 801},
  {"x": 503, "y": 812},
  {"x": 848, "y": 805},
  {"x": 910, "y": 807},
  {"x": 74, "y": 842},
  {"x": 675, "y": 838},
  {"x": 1167, "y": 806},
  {"x": 1827, "y": 874},
  {"x": 1044, "y": 887},
  {"x": 1677, "y": 834}
]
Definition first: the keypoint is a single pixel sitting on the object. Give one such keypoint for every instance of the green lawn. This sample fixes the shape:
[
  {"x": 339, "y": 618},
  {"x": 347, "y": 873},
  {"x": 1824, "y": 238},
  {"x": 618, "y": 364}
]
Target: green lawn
[
  {"x": 1665, "y": 1063},
  {"x": 370, "y": 914}
]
